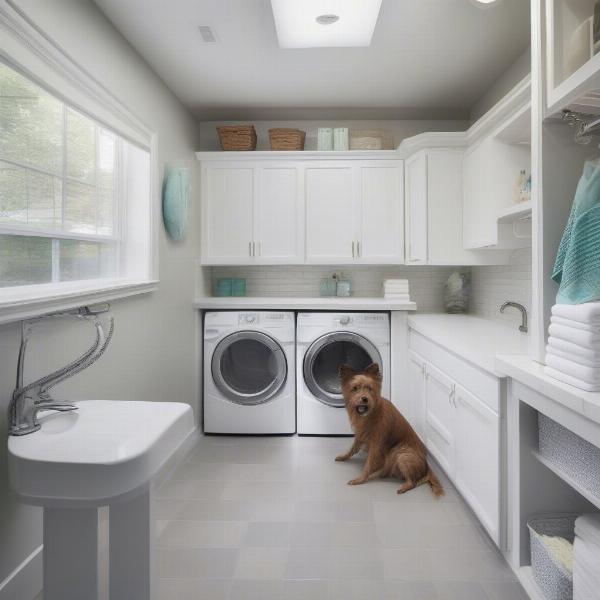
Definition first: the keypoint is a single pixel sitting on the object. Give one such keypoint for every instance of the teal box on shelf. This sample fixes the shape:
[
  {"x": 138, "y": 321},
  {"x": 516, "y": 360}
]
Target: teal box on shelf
[
  {"x": 224, "y": 286},
  {"x": 238, "y": 286}
]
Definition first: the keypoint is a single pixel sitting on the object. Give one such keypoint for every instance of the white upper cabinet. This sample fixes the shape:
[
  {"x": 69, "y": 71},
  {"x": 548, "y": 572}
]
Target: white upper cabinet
[
  {"x": 285, "y": 210},
  {"x": 227, "y": 213},
  {"x": 434, "y": 211},
  {"x": 279, "y": 211},
  {"x": 416, "y": 209},
  {"x": 252, "y": 213},
  {"x": 381, "y": 219},
  {"x": 331, "y": 212}
]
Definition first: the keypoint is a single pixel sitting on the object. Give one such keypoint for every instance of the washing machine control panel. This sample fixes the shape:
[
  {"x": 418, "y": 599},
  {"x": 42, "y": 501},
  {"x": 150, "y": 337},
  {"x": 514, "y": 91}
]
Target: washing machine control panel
[{"x": 248, "y": 319}]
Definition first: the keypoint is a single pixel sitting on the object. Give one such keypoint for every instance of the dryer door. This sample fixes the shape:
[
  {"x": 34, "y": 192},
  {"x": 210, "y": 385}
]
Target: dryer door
[
  {"x": 324, "y": 357},
  {"x": 249, "y": 367}
]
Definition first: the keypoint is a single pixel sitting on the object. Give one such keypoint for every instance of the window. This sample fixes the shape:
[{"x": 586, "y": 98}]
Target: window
[{"x": 67, "y": 188}]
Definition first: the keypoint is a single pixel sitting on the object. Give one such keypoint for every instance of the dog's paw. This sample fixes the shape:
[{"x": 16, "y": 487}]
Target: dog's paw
[
  {"x": 356, "y": 481},
  {"x": 341, "y": 458}
]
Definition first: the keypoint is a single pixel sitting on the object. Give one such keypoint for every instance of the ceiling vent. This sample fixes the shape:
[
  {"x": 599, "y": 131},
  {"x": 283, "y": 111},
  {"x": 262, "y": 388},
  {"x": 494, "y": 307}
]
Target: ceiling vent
[{"x": 207, "y": 34}]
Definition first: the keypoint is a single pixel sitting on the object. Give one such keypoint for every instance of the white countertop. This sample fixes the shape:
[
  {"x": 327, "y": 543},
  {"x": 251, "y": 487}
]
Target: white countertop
[
  {"x": 283, "y": 303},
  {"x": 475, "y": 339},
  {"x": 531, "y": 373}
]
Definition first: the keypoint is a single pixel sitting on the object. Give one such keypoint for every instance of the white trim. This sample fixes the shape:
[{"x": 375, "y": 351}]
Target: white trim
[
  {"x": 58, "y": 235},
  {"x": 24, "y": 302},
  {"x": 296, "y": 155},
  {"x": 32, "y": 51},
  {"x": 26, "y": 581}
]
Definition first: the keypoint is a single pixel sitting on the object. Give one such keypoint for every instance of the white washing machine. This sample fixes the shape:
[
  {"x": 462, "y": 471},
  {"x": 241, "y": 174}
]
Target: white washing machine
[
  {"x": 249, "y": 368},
  {"x": 324, "y": 341}
]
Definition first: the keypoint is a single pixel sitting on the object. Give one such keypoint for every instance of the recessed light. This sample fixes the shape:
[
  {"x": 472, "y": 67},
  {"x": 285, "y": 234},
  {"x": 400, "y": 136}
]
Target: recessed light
[
  {"x": 484, "y": 3},
  {"x": 327, "y": 19},
  {"x": 325, "y": 23}
]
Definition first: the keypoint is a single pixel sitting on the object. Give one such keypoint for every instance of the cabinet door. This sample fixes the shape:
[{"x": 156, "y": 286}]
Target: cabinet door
[
  {"x": 279, "y": 215},
  {"x": 381, "y": 218},
  {"x": 440, "y": 424},
  {"x": 478, "y": 458},
  {"x": 416, "y": 393},
  {"x": 331, "y": 200},
  {"x": 444, "y": 208},
  {"x": 227, "y": 214},
  {"x": 416, "y": 209}
]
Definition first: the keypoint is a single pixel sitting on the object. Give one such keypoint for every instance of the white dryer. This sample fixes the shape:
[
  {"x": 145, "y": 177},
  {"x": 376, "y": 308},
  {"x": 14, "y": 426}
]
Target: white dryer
[
  {"x": 249, "y": 368},
  {"x": 324, "y": 341}
]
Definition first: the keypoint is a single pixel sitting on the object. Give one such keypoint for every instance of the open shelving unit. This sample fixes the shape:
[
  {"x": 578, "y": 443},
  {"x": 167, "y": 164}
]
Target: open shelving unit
[{"x": 515, "y": 212}]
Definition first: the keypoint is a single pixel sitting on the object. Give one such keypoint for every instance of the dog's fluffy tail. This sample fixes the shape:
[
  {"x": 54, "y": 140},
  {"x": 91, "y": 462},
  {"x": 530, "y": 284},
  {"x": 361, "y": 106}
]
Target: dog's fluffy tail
[{"x": 434, "y": 482}]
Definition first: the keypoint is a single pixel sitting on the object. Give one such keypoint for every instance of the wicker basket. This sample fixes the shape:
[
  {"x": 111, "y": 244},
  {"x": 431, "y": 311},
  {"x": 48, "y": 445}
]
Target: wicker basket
[
  {"x": 552, "y": 578},
  {"x": 286, "y": 139},
  {"x": 237, "y": 137}
]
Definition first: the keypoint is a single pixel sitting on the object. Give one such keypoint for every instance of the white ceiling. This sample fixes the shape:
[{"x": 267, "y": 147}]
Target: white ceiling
[{"x": 428, "y": 58}]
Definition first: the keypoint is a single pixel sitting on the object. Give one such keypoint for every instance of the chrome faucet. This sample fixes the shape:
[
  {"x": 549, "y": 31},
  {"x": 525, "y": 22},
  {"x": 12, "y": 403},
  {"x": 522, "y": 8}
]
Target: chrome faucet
[
  {"x": 28, "y": 400},
  {"x": 523, "y": 325}
]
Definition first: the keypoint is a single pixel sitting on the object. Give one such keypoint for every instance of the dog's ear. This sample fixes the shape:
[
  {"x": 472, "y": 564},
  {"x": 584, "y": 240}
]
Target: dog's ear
[
  {"x": 346, "y": 372},
  {"x": 373, "y": 371}
]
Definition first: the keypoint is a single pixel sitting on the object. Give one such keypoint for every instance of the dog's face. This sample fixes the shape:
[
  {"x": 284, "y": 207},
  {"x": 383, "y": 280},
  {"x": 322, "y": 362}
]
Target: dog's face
[{"x": 361, "y": 390}]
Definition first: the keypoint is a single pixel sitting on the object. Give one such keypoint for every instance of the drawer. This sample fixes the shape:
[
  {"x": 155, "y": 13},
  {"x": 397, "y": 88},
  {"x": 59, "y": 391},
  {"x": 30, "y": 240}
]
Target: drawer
[{"x": 484, "y": 385}]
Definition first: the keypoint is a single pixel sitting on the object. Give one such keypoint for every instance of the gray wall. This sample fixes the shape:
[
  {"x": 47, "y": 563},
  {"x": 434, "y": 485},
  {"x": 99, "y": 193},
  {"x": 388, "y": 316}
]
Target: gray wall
[
  {"x": 513, "y": 75},
  {"x": 152, "y": 355}
]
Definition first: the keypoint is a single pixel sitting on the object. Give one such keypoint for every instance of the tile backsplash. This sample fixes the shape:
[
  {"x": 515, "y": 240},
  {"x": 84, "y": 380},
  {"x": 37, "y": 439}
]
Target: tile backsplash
[
  {"x": 492, "y": 286},
  {"x": 426, "y": 283}
]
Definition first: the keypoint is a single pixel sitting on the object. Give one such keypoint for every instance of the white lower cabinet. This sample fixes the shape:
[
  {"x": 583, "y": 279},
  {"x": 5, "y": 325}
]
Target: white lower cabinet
[
  {"x": 441, "y": 418},
  {"x": 478, "y": 457},
  {"x": 461, "y": 429},
  {"x": 416, "y": 393}
]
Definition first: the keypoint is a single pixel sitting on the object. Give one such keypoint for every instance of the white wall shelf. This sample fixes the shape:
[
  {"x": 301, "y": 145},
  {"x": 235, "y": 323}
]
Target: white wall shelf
[
  {"x": 515, "y": 212},
  {"x": 595, "y": 500}
]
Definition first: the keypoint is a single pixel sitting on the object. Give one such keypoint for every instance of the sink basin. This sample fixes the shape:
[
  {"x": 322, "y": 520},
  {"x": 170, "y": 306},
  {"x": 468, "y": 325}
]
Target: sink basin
[{"x": 98, "y": 453}]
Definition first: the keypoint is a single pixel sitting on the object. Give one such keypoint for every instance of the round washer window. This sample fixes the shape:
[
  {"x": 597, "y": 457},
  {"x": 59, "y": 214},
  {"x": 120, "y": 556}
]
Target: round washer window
[
  {"x": 249, "y": 367},
  {"x": 324, "y": 357}
]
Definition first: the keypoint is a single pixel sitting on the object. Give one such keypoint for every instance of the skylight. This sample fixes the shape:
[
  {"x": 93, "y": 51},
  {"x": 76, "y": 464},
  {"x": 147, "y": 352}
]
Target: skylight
[{"x": 325, "y": 23}]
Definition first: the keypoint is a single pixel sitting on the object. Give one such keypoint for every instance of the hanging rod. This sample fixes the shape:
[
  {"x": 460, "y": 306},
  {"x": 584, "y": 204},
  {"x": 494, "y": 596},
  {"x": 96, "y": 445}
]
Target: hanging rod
[{"x": 587, "y": 125}]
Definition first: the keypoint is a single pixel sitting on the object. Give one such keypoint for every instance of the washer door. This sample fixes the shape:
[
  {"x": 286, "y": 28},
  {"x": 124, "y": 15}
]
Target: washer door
[
  {"x": 324, "y": 357},
  {"x": 249, "y": 367}
]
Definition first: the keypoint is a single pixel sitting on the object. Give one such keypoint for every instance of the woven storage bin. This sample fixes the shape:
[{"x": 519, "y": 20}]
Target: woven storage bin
[
  {"x": 552, "y": 578},
  {"x": 571, "y": 454},
  {"x": 286, "y": 139},
  {"x": 237, "y": 137}
]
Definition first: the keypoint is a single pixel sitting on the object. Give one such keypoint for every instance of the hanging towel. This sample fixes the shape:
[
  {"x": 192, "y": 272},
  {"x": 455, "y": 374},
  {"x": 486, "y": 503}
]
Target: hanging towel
[
  {"x": 586, "y": 313},
  {"x": 582, "y": 385},
  {"x": 577, "y": 265},
  {"x": 590, "y": 375},
  {"x": 576, "y": 358},
  {"x": 593, "y": 327},
  {"x": 575, "y": 349},
  {"x": 586, "y": 339}
]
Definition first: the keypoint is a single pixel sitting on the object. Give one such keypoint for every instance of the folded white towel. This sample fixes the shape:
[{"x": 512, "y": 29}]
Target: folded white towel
[
  {"x": 588, "y": 528},
  {"x": 575, "y": 349},
  {"x": 586, "y": 570},
  {"x": 587, "y": 374},
  {"x": 586, "y": 313},
  {"x": 586, "y": 339},
  {"x": 594, "y": 328},
  {"x": 576, "y": 358},
  {"x": 582, "y": 385}
]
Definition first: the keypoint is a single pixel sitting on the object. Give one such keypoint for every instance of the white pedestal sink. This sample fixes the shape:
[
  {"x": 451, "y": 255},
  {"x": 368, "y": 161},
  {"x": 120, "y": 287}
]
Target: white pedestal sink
[{"x": 105, "y": 453}]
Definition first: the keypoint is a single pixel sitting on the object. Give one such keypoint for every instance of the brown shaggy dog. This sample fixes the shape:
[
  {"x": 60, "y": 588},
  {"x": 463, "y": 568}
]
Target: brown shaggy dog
[{"x": 393, "y": 448}]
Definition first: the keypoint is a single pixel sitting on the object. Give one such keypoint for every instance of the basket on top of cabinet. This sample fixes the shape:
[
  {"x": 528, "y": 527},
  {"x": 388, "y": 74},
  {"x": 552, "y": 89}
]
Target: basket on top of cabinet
[
  {"x": 285, "y": 138},
  {"x": 237, "y": 137}
]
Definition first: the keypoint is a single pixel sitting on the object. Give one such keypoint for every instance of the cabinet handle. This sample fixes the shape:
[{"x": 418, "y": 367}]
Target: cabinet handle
[
  {"x": 358, "y": 249},
  {"x": 451, "y": 396},
  {"x": 353, "y": 253},
  {"x": 249, "y": 248}
]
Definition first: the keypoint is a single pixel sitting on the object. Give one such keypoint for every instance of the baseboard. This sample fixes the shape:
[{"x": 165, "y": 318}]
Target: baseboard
[{"x": 26, "y": 581}]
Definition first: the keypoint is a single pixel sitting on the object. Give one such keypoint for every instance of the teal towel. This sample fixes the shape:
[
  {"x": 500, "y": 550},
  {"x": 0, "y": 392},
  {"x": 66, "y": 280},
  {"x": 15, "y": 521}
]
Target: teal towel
[{"x": 577, "y": 266}]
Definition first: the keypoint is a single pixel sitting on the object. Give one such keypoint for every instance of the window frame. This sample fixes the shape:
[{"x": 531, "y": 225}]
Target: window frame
[{"x": 29, "y": 51}]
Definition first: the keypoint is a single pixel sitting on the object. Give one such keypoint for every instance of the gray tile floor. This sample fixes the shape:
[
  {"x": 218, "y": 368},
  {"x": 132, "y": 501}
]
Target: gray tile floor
[{"x": 273, "y": 518}]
